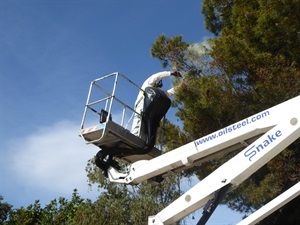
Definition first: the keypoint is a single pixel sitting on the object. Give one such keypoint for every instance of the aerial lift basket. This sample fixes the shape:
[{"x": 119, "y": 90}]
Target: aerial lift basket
[{"x": 108, "y": 115}]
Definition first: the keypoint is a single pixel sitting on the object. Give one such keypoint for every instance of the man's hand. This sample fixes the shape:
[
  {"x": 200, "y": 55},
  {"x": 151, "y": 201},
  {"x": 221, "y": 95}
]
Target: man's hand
[{"x": 176, "y": 74}]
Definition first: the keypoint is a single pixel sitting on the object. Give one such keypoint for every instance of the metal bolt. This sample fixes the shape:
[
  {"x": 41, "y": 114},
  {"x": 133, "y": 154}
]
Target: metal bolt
[{"x": 294, "y": 121}]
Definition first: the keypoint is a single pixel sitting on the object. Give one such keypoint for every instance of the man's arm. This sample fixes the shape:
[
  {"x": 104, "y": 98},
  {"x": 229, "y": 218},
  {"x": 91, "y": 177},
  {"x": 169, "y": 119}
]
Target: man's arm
[
  {"x": 170, "y": 92},
  {"x": 160, "y": 75},
  {"x": 156, "y": 77}
]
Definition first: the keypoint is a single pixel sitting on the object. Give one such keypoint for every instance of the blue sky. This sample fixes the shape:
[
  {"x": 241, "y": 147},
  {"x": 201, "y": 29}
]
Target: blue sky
[{"x": 50, "y": 52}]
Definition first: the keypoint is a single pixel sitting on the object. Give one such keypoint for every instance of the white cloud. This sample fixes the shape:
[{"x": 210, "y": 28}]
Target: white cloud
[{"x": 53, "y": 158}]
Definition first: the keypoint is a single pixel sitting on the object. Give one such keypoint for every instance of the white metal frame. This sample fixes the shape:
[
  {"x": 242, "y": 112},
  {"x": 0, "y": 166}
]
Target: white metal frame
[{"x": 108, "y": 101}]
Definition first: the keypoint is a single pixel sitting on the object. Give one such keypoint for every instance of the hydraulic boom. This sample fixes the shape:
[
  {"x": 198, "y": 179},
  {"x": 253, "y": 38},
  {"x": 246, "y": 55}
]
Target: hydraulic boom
[{"x": 259, "y": 138}]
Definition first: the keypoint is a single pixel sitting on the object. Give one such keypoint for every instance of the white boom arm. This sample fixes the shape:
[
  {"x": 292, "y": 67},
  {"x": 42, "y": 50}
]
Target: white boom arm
[
  {"x": 275, "y": 128},
  {"x": 233, "y": 172},
  {"x": 272, "y": 206}
]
